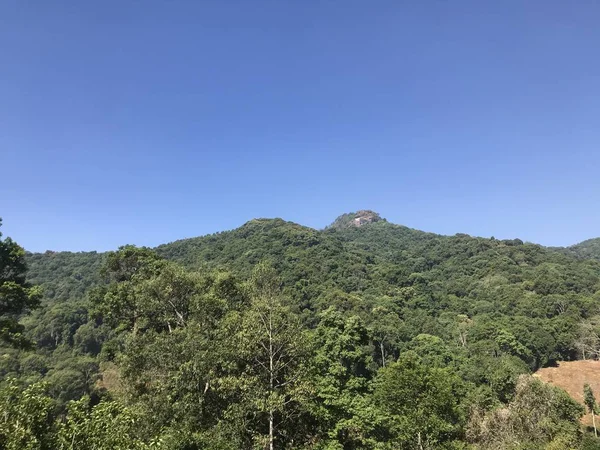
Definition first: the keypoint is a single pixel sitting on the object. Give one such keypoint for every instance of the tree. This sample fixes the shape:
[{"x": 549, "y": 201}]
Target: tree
[
  {"x": 272, "y": 345},
  {"x": 121, "y": 304},
  {"x": 588, "y": 338},
  {"x": 538, "y": 416},
  {"x": 343, "y": 369},
  {"x": 73, "y": 377},
  {"x": 106, "y": 426},
  {"x": 384, "y": 327},
  {"x": 590, "y": 402},
  {"x": 16, "y": 295},
  {"x": 420, "y": 403},
  {"x": 432, "y": 350},
  {"x": 171, "y": 368},
  {"x": 171, "y": 295},
  {"x": 463, "y": 323},
  {"x": 25, "y": 417}
]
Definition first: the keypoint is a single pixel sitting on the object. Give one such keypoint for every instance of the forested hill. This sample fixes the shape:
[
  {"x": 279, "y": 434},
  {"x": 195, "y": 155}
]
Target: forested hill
[
  {"x": 168, "y": 344},
  {"x": 295, "y": 250},
  {"x": 532, "y": 290},
  {"x": 588, "y": 249},
  {"x": 364, "y": 258}
]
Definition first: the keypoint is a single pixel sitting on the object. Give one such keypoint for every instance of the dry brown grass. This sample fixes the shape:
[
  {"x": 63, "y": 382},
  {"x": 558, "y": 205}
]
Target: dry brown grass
[
  {"x": 571, "y": 376},
  {"x": 110, "y": 379}
]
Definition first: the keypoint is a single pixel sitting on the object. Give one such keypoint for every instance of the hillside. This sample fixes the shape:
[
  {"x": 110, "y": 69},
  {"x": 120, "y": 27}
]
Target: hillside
[
  {"x": 64, "y": 275},
  {"x": 588, "y": 249},
  {"x": 537, "y": 290},
  {"x": 373, "y": 259},
  {"x": 571, "y": 376},
  {"x": 173, "y": 334}
]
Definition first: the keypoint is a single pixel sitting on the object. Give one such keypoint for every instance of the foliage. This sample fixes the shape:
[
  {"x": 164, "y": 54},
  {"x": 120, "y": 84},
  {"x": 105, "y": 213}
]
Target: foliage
[
  {"x": 363, "y": 335},
  {"x": 25, "y": 417},
  {"x": 539, "y": 416},
  {"x": 17, "y": 296},
  {"x": 271, "y": 346},
  {"x": 588, "y": 249},
  {"x": 420, "y": 403},
  {"x": 590, "y": 401},
  {"x": 588, "y": 398},
  {"x": 343, "y": 368},
  {"x": 105, "y": 426}
]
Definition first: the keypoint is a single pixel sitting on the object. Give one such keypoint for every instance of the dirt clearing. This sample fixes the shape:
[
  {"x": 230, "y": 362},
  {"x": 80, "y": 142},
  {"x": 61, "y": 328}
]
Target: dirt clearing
[{"x": 571, "y": 376}]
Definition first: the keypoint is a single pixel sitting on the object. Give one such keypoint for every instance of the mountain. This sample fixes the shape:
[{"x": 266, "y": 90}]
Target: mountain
[
  {"x": 378, "y": 314},
  {"x": 525, "y": 286},
  {"x": 355, "y": 251}
]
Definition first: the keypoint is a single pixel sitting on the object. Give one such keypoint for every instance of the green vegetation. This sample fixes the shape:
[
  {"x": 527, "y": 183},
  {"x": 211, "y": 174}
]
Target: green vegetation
[
  {"x": 590, "y": 402},
  {"x": 16, "y": 295},
  {"x": 589, "y": 249},
  {"x": 365, "y": 335}
]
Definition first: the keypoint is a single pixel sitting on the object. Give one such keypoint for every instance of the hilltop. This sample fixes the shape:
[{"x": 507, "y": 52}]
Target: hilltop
[
  {"x": 356, "y": 219},
  {"x": 359, "y": 239},
  {"x": 377, "y": 311}
]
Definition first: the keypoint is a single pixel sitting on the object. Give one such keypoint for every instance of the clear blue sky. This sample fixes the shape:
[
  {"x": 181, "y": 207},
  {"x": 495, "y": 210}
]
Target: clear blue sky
[{"x": 148, "y": 121}]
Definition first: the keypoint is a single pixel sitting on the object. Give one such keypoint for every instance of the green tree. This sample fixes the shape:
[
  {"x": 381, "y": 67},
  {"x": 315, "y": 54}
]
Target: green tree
[
  {"x": 171, "y": 295},
  {"x": 432, "y": 350},
  {"x": 72, "y": 377},
  {"x": 272, "y": 346},
  {"x": 106, "y": 426},
  {"x": 121, "y": 304},
  {"x": 16, "y": 295},
  {"x": 590, "y": 402},
  {"x": 343, "y": 369},
  {"x": 384, "y": 327},
  {"x": 25, "y": 417},
  {"x": 174, "y": 373},
  {"x": 420, "y": 403}
]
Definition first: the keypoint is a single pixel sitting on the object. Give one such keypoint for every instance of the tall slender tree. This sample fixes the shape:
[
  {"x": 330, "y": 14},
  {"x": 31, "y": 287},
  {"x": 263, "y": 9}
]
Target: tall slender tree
[
  {"x": 271, "y": 343},
  {"x": 590, "y": 401}
]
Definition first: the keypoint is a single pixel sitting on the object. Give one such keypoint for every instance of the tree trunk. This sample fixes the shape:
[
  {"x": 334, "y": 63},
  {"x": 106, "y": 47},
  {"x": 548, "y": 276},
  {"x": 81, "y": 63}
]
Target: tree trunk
[
  {"x": 594, "y": 422},
  {"x": 271, "y": 429},
  {"x": 463, "y": 338},
  {"x": 135, "y": 323},
  {"x": 382, "y": 353}
]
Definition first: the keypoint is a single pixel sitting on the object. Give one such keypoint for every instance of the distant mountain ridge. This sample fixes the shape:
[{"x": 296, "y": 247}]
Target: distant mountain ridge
[
  {"x": 361, "y": 238},
  {"x": 375, "y": 295},
  {"x": 588, "y": 249}
]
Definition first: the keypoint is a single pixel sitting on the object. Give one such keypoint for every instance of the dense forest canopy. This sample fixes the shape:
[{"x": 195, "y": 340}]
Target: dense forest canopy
[
  {"x": 588, "y": 249},
  {"x": 364, "y": 335}
]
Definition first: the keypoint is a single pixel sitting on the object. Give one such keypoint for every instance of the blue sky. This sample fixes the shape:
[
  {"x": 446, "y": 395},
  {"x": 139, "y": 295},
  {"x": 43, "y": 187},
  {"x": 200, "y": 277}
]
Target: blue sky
[{"x": 149, "y": 121}]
